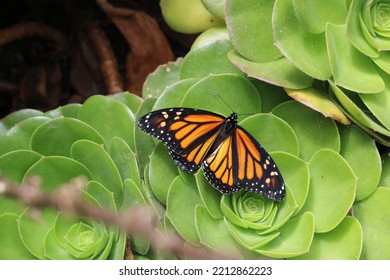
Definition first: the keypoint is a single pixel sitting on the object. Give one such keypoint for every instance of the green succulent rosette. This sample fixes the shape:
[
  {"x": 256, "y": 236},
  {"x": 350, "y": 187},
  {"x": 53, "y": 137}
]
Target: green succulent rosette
[
  {"x": 94, "y": 140},
  {"x": 320, "y": 160},
  {"x": 301, "y": 42}
]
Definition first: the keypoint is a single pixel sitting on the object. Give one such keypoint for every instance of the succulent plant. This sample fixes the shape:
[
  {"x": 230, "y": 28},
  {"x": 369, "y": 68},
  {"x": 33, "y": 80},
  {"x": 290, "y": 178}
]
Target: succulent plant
[
  {"x": 94, "y": 140},
  {"x": 320, "y": 162},
  {"x": 332, "y": 57}
]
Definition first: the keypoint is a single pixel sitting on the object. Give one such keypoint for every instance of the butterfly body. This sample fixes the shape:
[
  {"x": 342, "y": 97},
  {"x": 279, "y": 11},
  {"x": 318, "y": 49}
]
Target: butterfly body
[{"x": 231, "y": 159}]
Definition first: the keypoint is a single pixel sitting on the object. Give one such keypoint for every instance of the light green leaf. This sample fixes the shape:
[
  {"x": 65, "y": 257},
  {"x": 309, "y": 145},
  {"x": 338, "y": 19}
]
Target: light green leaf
[
  {"x": 56, "y": 137},
  {"x": 342, "y": 243},
  {"x": 281, "y": 72},
  {"x": 100, "y": 165},
  {"x": 208, "y": 59},
  {"x": 295, "y": 238},
  {"x": 366, "y": 163},
  {"x": 350, "y": 68},
  {"x": 181, "y": 202},
  {"x": 11, "y": 245},
  {"x": 305, "y": 50},
  {"x": 332, "y": 189},
  {"x": 373, "y": 214},
  {"x": 110, "y": 117},
  {"x": 314, "y": 14},
  {"x": 312, "y": 129},
  {"x": 164, "y": 76}
]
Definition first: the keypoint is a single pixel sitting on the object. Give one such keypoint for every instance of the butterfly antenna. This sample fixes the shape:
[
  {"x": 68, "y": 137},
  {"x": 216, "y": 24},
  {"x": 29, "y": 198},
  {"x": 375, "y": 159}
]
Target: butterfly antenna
[{"x": 223, "y": 100}]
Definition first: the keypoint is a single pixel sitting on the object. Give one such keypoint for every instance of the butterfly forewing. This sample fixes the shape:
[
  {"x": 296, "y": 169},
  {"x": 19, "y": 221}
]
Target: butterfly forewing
[
  {"x": 256, "y": 171},
  {"x": 188, "y": 133}
]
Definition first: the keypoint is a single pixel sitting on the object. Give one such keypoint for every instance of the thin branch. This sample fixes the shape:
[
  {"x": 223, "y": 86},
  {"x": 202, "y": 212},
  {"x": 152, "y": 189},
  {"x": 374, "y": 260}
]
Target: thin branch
[
  {"x": 112, "y": 10},
  {"x": 107, "y": 59},
  {"x": 30, "y": 29},
  {"x": 138, "y": 220}
]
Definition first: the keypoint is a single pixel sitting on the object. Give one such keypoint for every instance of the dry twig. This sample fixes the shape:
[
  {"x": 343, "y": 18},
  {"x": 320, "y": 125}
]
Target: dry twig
[
  {"x": 139, "y": 220},
  {"x": 30, "y": 29},
  {"x": 108, "y": 62}
]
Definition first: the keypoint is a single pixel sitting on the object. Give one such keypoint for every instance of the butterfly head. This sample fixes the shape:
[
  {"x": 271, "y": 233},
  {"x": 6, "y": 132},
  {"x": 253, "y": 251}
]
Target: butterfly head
[{"x": 231, "y": 122}]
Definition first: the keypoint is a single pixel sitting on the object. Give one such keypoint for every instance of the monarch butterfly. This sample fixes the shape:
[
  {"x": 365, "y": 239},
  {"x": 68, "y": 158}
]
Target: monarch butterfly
[{"x": 230, "y": 157}]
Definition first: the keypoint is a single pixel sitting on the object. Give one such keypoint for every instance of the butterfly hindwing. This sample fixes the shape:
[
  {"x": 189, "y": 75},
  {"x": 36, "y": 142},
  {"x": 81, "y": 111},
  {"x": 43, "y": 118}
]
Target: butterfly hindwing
[
  {"x": 188, "y": 133},
  {"x": 218, "y": 167},
  {"x": 256, "y": 171}
]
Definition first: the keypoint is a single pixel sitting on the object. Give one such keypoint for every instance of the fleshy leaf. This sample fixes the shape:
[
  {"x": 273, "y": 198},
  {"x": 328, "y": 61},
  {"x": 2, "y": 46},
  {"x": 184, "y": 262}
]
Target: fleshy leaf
[
  {"x": 214, "y": 234},
  {"x": 211, "y": 35},
  {"x": 383, "y": 61},
  {"x": 110, "y": 118},
  {"x": 134, "y": 198},
  {"x": 100, "y": 165},
  {"x": 249, "y": 26},
  {"x": 19, "y": 136},
  {"x": 12, "y": 247},
  {"x": 342, "y": 243},
  {"x": 57, "y": 136},
  {"x": 332, "y": 183},
  {"x": 374, "y": 215},
  {"x": 53, "y": 250},
  {"x": 280, "y": 72},
  {"x": 161, "y": 78},
  {"x": 181, "y": 202},
  {"x": 14, "y": 165},
  {"x": 379, "y": 103},
  {"x": 295, "y": 238},
  {"x": 188, "y": 17},
  {"x": 144, "y": 143},
  {"x": 32, "y": 233},
  {"x": 69, "y": 111},
  {"x": 10, "y": 120},
  {"x": 56, "y": 170},
  {"x": 103, "y": 197},
  {"x": 293, "y": 40},
  {"x": 208, "y": 59},
  {"x": 314, "y": 14},
  {"x": 271, "y": 95},
  {"x": 249, "y": 238},
  {"x": 357, "y": 114},
  {"x": 318, "y": 101},
  {"x": 173, "y": 94},
  {"x": 235, "y": 91},
  {"x": 210, "y": 197},
  {"x": 366, "y": 163},
  {"x": 162, "y": 172},
  {"x": 132, "y": 101},
  {"x": 215, "y": 7},
  {"x": 350, "y": 68},
  {"x": 354, "y": 31},
  {"x": 313, "y": 130},
  {"x": 124, "y": 159}
]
